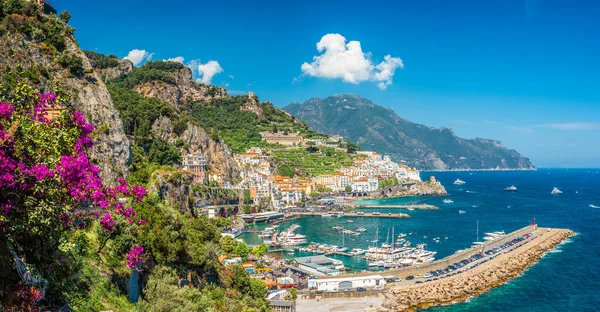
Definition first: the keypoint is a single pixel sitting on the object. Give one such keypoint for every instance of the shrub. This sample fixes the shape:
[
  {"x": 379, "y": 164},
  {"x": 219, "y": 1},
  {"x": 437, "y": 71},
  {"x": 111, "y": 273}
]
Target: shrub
[{"x": 73, "y": 63}]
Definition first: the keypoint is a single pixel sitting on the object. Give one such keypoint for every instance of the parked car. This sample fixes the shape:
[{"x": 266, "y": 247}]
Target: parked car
[
  {"x": 377, "y": 288},
  {"x": 348, "y": 290},
  {"x": 361, "y": 289},
  {"x": 319, "y": 292},
  {"x": 410, "y": 277},
  {"x": 335, "y": 290}
]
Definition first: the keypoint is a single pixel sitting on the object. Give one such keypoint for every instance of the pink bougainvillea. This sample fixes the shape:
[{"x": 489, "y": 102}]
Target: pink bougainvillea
[{"x": 134, "y": 257}]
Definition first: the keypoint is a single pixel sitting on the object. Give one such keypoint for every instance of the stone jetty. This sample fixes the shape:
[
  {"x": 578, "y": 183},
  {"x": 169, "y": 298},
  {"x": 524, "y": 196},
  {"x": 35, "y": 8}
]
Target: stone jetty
[{"x": 473, "y": 282}]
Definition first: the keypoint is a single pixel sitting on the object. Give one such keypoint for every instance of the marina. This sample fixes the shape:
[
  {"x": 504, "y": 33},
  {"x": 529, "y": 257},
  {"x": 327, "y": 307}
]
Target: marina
[
  {"x": 353, "y": 214},
  {"x": 410, "y": 207}
]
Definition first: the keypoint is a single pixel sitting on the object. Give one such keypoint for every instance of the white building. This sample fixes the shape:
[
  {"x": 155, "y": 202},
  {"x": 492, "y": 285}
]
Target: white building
[{"x": 328, "y": 284}]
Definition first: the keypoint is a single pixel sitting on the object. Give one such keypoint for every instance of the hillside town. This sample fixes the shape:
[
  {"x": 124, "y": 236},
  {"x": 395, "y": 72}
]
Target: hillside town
[{"x": 259, "y": 176}]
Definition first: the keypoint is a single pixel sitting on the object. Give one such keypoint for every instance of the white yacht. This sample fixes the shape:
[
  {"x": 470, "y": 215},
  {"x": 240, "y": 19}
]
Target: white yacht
[
  {"x": 357, "y": 252},
  {"x": 448, "y": 201},
  {"x": 459, "y": 182},
  {"x": 556, "y": 191},
  {"x": 511, "y": 188},
  {"x": 462, "y": 211}
]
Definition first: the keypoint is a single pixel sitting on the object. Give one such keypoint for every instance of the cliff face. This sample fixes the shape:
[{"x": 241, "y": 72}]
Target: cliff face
[
  {"x": 183, "y": 90},
  {"x": 218, "y": 156},
  {"x": 124, "y": 67},
  {"x": 173, "y": 187},
  {"x": 111, "y": 150},
  {"x": 377, "y": 128}
]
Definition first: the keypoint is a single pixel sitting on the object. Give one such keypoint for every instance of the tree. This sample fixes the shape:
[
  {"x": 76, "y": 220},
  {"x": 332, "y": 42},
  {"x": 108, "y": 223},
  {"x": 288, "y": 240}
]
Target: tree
[
  {"x": 65, "y": 16},
  {"x": 241, "y": 250},
  {"x": 348, "y": 188},
  {"x": 228, "y": 244},
  {"x": 287, "y": 171},
  {"x": 260, "y": 250},
  {"x": 292, "y": 295},
  {"x": 162, "y": 293}
]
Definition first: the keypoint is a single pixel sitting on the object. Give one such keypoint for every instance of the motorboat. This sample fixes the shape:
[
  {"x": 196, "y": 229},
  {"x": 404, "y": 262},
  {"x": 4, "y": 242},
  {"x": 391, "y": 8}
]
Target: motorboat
[
  {"x": 448, "y": 201},
  {"x": 556, "y": 191},
  {"x": 511, "y": 188},
  {"x": 459, "y": 182},
  {"x": 462, "y": 211},
  {"x": 362, "y": 229}
]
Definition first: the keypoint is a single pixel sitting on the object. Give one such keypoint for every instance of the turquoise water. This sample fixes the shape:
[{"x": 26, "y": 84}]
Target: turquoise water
[{"x": 567, "y": 279}]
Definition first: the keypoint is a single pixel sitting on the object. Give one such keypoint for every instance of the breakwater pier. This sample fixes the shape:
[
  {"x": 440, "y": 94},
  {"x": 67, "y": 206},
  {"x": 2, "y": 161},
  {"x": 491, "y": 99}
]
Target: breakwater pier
[
  {"x": 475, "y": 278},
  {"x": 352, "y": 214},
  {"x": 417, "y": 206}
]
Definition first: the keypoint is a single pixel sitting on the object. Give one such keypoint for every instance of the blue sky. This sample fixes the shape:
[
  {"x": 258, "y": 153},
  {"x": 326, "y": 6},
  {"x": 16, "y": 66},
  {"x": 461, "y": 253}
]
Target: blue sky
[{"x": 523, "y": 72}]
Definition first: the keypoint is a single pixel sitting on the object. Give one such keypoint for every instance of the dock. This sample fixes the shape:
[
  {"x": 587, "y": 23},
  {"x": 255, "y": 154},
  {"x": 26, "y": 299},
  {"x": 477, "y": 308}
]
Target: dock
[
  {"x": 418, "y": 206},
  {"x": 355, "y": 214}
]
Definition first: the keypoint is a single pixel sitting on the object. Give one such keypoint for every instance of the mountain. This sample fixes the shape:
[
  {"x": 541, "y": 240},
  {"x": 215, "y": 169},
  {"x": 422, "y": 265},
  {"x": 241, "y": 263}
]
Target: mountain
[{"x": 377, "y": 128}]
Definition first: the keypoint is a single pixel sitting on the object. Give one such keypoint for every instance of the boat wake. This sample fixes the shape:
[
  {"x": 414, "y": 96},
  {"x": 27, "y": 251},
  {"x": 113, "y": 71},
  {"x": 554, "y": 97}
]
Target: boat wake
[{"x": 594, "y": 206}]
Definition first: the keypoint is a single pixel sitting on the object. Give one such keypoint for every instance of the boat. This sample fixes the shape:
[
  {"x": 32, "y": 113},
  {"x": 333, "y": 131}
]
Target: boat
[
  {"x": 350, "y": 221},
  {"x": 459, "y": 182},
  {"x": 357, "y": 252},
  {"x": 511, "y": 188},
  {"x": 337, "y": 228},
  {"x": 462, "y": 211},
  {"x": 594, "y": 206},
  {"x": 376, "y": 213},
  {"x": 556, "y": 191},
  {"x": 326, "y": 215},
  {"x": 448, "y": 201},
  {"x": 361, "y": 229}
]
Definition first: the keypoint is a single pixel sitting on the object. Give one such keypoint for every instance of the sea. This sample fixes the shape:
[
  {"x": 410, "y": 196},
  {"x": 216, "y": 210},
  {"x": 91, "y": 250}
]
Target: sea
[{"x": 565, "y": 279}]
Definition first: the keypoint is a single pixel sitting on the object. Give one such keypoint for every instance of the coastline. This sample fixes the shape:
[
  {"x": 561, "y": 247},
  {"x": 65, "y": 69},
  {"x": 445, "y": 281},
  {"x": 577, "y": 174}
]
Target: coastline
[
  {"x": 471, "y": 283},
  {"x": 475, "y": 170}
]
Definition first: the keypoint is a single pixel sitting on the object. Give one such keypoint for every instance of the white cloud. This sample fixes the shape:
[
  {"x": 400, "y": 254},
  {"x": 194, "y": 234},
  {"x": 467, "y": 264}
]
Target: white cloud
[
  {"x": 137, "y": 56},
  {"x": 347, "y": 61},
  {"x": 178, "y": 59},
  {"x": 204, "y": 72}
]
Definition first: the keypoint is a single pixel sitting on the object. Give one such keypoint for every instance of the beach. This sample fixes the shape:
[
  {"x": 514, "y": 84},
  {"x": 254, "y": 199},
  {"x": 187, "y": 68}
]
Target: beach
[{"x": 338, "y": 304}]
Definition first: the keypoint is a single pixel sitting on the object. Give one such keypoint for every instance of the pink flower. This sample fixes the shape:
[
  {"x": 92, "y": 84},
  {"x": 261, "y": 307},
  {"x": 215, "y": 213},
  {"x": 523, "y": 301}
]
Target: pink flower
[
  {"x": 6, "y": 110},
  {"x": 41, "y": 172},
  {"x": 107, "y": 222},
  {"x": 5, "y": 208},
  {"x": 134, "y": 257}
]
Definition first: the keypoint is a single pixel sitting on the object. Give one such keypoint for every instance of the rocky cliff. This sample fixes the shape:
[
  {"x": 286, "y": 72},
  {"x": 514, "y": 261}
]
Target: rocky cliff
[
  {"x": 183, "y": 89},
  {"x": 377, "y": 128},
  {"x": 196, "y": 140},
  {"x": 48, "y": 70},
  {"x": 174, "y": 187}
]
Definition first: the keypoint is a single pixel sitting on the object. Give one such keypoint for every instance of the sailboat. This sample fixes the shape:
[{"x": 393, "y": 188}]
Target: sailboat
[
  {"x": 477, "y": 243},
  {"x": 342, "y": 248},
  {"x": 387, "y": 240},
  {"x": 376, "y": 240}
]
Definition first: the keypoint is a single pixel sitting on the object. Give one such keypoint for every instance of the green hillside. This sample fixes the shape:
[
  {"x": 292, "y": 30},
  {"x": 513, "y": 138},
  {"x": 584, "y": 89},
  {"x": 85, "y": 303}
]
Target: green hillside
[{"x": 377, "y": 128}]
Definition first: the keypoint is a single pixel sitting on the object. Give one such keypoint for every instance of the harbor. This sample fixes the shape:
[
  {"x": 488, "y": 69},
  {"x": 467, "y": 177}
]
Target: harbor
[
  {"x": 352, "y": 214},
  {"x": 491, "y": 228},
  {"x": 409, "y": 207}
]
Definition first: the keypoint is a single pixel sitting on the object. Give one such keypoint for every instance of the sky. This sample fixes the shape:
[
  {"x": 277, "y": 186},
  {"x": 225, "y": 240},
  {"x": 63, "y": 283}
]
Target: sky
[{"x": 525, "y": 72}]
